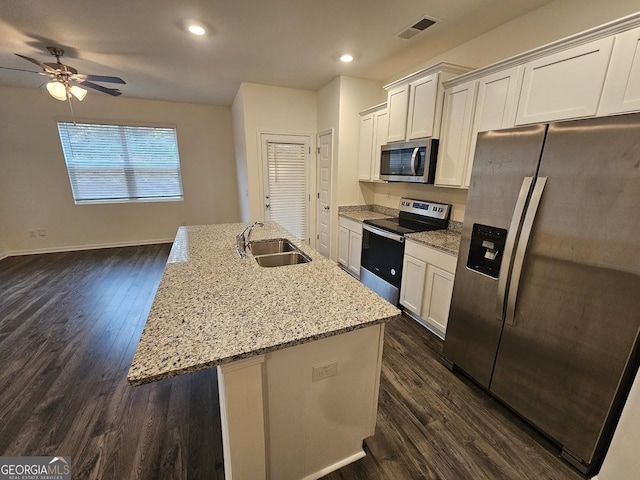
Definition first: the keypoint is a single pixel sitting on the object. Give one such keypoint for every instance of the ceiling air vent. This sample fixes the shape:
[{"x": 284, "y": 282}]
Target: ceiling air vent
[{"x": 418, "y": 27}]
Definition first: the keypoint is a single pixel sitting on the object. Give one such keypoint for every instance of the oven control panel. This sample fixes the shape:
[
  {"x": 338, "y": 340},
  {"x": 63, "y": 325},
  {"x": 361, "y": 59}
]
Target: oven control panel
[{"x": 425, "y": 208}]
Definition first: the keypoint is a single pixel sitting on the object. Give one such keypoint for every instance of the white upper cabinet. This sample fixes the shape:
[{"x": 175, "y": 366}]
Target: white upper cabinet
[
  {"x": 415, "y": 102},
  {"x": 366, "y": 147},
  {"x": 374, "y": 124},
  {"x": 495, "y": 107},
  {"x": 564, "y": 85},
  {"x": 621, "y": 92},
  {"x": 456, "y": 134},
  {"x": 422, "y": 107},
  {"x": 380, "y": 129},
  {"x": 398, "y": 105}
]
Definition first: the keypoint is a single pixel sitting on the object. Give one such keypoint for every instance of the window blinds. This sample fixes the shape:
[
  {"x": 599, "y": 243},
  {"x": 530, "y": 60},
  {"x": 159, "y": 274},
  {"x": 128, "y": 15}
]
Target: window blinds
[
  {"x": 121, "y": 163},
  {"x": 288, "y": 186}
]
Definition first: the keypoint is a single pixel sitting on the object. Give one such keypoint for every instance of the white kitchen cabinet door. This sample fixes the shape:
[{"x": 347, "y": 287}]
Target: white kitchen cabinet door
[
  {"x": 564, "y": 85},
  {"x": 437, "y": 297},
  {"x": 413, "y": 283},
  {"x": 366, "y": 146},
  {"x": 343, "y": 246},
  {"x": 621, "y": 92},
  {"x": 398, "y": 104},
  {"x": 456, "y": 134},
  {"x": 495, "y": 107},
  {"x": 381, "y": 126},
  {"x": 355, "y": 251},
  {"x": 422, "y": 107}
]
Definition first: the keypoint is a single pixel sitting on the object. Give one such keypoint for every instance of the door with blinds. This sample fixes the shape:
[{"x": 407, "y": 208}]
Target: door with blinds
[{"x": 286, "y": 182}]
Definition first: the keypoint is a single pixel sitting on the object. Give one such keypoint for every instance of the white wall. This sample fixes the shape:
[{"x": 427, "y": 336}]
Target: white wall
[
  {"x": 242, "y": 175},
  {"x": 339, "y": 104},
  {"x": 622, "y": 461},
  {"x": 262, "y": 108},
  {"x": 389, "y": 195},
  {"x": 34, "y": 185},
  {"x": 553, "y": 21}
]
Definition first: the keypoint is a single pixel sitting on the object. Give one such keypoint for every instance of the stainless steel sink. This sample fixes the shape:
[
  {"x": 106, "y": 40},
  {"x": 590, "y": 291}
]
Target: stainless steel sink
[
  {"x": 275, "y": 245},
  {"x": 282, "y": 259}
]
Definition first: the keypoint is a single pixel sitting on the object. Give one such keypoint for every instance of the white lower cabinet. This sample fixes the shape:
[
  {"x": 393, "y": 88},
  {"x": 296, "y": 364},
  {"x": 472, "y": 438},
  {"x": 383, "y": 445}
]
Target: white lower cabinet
[
  {"x": 350, "y": 245},
  {"x": 427, "y": 285}
]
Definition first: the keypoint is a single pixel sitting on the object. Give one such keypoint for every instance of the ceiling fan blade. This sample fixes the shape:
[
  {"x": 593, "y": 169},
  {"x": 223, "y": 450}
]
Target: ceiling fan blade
[
  {"x": 109, "y": 91},
  {"x": 98, "y": 78},
  {"x": 21, "y": 70},
  {"x": 46, "y": 68}
]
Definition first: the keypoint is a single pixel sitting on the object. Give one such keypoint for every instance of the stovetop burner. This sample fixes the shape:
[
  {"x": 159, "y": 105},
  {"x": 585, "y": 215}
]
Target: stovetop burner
[
  {"x": 394, "y": 224},
  {"x": 415, "y": 216}
]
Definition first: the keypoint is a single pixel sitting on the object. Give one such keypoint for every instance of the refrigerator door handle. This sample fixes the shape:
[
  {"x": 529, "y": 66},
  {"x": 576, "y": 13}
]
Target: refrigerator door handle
[
  {"x": 522, "y": 248},
  {"x": 510, "y": 243}
]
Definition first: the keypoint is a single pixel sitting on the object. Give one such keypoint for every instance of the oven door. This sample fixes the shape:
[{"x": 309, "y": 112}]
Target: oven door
[{"x": 381, "y": 262}]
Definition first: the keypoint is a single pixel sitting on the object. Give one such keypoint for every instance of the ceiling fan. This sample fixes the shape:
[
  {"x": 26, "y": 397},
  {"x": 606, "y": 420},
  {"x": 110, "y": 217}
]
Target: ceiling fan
[{"x": 66, "y": 81}]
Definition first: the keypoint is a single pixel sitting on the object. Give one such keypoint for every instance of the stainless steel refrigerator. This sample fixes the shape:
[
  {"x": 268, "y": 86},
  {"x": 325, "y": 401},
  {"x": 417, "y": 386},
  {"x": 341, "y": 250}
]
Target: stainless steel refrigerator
[{"x": 545, "y": 311}]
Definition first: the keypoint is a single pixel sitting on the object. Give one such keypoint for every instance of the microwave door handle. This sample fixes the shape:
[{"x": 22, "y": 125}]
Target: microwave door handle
[
  {"x": 413, "y": 160},
  {"x": 518, "y": 261},
  {"x": 518, "y": 212}
]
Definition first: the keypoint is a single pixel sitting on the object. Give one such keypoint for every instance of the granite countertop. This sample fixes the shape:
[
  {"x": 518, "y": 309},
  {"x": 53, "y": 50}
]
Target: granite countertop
[
  {"x": 213, "y": 307},
  {"x": 360, "y": 213},
  {"x": 447, "y": 241}
]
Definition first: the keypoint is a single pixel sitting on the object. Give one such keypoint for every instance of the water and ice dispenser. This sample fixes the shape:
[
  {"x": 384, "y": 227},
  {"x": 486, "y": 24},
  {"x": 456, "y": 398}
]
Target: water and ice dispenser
[{"x": 486, "y": 249}]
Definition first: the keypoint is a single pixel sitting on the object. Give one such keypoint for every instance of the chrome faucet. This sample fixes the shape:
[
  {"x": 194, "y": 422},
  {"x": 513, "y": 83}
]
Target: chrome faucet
[{"x": 242, "y": 240}]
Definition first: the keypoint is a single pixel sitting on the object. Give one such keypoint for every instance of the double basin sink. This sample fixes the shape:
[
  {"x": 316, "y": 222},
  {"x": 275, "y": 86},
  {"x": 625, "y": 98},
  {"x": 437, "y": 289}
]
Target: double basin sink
[{"x": 277, "y": 252}]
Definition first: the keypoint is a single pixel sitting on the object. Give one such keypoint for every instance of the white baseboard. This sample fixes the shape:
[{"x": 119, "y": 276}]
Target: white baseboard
[
  {"x": 332, "y": 468},
  {"x": 4, "y": 255},
  {"x": 74, "y": 248}
]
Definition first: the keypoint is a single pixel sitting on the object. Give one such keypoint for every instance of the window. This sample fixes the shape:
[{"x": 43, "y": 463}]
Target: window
[{"x": 121, "y": 163}]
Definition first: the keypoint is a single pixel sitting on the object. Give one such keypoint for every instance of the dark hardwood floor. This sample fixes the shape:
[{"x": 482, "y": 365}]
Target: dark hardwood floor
[{"x": 69, "y": 326}]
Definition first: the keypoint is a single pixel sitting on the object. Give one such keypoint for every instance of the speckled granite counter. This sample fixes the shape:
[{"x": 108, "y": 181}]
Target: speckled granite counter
[
  {"x": 212, "y": 307},
  {"x": 360, "y": 213},
  {"x": 447, "y": 241}
]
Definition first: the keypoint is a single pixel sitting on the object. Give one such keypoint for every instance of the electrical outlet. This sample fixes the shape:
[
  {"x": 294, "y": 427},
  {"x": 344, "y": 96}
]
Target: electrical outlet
[
  {"x": 42, "y": 232},
  {"x": 324, "y": 370}
]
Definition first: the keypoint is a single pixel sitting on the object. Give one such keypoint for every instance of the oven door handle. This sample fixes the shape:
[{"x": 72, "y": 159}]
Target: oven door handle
[{"x": 383, "y": 233}]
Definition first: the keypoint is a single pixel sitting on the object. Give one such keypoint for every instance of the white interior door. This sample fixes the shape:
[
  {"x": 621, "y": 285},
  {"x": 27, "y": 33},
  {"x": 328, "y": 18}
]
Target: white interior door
[
  {"x": 286, "y": 182},
  {"x": 325, "y": 157}
]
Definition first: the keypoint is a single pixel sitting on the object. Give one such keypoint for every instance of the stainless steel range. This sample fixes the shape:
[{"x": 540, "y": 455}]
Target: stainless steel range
[{"x": 383, "y": 243}]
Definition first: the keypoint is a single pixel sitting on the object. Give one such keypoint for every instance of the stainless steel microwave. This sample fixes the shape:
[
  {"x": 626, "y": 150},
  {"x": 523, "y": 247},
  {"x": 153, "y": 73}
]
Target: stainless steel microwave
[{"x": 410, "y": 161}]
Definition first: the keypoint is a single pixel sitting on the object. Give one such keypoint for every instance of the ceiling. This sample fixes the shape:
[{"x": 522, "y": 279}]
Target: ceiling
[{"x": 291, "y": 43}]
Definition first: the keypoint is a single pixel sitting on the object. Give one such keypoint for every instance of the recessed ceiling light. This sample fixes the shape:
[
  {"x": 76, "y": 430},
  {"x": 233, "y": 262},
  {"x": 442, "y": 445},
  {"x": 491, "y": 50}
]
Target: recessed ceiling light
[
  {"x": 346, "y": 58},
  {"x": 196, "y": 29}
]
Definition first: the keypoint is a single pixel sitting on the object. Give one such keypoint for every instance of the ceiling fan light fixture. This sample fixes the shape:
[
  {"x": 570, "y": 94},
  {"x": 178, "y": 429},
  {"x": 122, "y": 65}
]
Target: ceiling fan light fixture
[
  {"x": 78, "y": 92},
  {"x": 196, "y": 28},
  {"x": 57, "y": 90}
]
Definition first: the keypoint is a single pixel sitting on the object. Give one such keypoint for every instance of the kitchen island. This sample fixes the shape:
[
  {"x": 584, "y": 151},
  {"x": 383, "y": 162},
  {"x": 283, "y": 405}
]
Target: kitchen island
[{"x": 298, "y": 350}]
